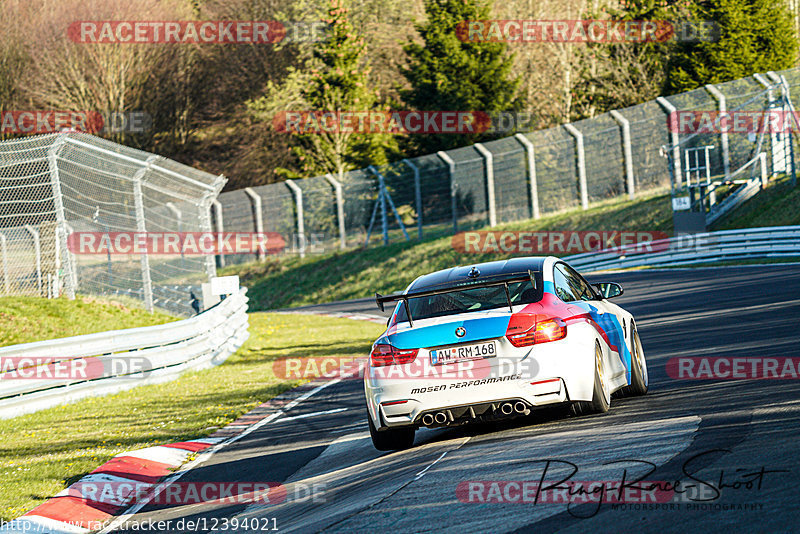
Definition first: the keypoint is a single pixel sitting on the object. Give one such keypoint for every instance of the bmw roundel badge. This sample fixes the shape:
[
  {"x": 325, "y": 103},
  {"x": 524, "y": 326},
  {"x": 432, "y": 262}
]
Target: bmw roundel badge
[{"x": 461, "y": 331}]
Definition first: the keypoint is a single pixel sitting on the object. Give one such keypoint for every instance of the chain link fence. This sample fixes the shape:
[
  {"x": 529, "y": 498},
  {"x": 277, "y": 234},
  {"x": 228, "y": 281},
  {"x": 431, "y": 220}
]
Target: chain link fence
[
  {"x": 622, "y": 153},
  {"x": 57, "y": 184}
]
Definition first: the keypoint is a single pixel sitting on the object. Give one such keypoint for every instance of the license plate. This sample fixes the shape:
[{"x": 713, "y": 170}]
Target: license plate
[{"x": 463, "y": 353}]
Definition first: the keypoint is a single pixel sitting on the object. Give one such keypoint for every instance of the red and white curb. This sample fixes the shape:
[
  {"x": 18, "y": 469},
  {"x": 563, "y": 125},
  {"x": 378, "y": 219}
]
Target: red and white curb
[{"x": 70, "y": 512}]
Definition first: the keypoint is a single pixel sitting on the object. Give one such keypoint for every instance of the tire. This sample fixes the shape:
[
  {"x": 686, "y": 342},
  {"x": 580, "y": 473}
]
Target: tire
[
  {"x": 393, "y": 439},
  {"x": 600, "y": 396},
  {"x": 639, "y": 378}
]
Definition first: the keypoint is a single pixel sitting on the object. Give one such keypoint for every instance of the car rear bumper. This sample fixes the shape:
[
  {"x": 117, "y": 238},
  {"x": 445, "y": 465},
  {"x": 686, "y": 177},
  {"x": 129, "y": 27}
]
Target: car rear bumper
[{"x": 548, "y": 374}]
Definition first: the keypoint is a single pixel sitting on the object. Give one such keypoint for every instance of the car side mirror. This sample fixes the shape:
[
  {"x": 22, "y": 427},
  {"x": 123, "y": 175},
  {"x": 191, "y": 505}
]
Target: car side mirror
[{"x": 609, "y": 290}]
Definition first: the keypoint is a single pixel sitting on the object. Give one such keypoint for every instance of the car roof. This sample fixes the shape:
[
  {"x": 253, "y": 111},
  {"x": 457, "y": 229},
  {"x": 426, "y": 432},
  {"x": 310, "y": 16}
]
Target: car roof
[{"x": 456, "y": 276}]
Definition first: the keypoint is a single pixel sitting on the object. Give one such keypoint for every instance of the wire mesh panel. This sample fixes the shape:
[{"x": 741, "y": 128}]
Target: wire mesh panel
[
  {"x": 320, "y": 215},
  {"x": 238, "y": 215},
  {"x": 359, "y": 189},
  {"x": 605, "y": 165},
  {"x": 400, "y": 187},
  {"x": 511, "y": 184},
  {"x": 745, "y": 96},
  {"x": 648, "y": 124},
  {"x": 279, "y": 212},
  {"x": 701, "y": 102},
  {"x": 59, "y": 184},
  {"x": 434, "y": 177},
  {"x": 556, "y": 172},
  {"x": 782, "y": 156},
  {"x": 26, "y": 204},
  {"x": 469, "y": 182}
]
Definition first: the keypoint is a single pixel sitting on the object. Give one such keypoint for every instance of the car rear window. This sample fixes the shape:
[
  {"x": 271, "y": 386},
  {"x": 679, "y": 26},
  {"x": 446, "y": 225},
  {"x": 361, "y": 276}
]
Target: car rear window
[{"x": 469, "y": 300}]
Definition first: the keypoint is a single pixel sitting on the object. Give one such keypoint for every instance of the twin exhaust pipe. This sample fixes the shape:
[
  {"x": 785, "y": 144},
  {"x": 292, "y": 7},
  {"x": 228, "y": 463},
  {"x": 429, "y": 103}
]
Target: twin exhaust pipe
[
  {"x": 439, "y": 418},
  {"x": 518, "y": 407},
  {"x": 507, "y": 408}
]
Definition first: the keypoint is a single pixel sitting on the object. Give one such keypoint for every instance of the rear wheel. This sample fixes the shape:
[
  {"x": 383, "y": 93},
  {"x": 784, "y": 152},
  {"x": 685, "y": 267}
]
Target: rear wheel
[
  {"x": 639, "y": 378},
  {"x": 392, "y": 439},
  {"x": 601, "y": 399}
]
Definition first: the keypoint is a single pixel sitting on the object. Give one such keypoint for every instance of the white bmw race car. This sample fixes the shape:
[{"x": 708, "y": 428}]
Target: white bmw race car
[{"x": 497, "y": 340}]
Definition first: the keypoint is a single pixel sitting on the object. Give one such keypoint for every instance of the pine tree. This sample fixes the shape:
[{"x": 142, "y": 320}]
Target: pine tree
[
  {"x": 334, "y": 78},
  {"x": 450, "y": 74},
  {"x": 754, "y": 36}
]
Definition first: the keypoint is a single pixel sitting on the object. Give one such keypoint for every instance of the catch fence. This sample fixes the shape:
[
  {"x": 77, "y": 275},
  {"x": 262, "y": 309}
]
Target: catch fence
[
  {"x": 54, "y": 185},
  {"x": 624, "y": 153}
]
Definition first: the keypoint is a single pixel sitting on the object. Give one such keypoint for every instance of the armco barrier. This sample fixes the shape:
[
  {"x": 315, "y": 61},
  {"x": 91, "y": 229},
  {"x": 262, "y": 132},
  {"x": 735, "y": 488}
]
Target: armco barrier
[
  {"x": 726, "y": 245},
  {"x": 202, "y": 341}
]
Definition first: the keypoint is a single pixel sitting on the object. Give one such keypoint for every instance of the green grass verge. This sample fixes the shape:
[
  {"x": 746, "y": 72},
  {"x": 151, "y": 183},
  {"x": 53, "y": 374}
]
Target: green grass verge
[
  {"x": 44, "y": 452},
  {"x": 27, "y": 319},
  {"x": 777, "y": 205},
  {"x": 293, "y": 281}
]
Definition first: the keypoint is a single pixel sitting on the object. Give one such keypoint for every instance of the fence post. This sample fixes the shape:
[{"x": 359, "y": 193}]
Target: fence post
[
  {"x": 723, "y": 136},
  {"x": 490, "y": 198},
  {"x": 762, "y": 156},
  {"x": 451, "y": 171},
  {"x": 626, "y": 151},
  {"x": 674, "y": 138},
  {"x": 37, "y": 247},
  {"x": 54, "y": 280},
  {"x": 204, "y": 215},
  {"x": 417, "y": 196},
  {"x": 788, "y": 102},
  {"x": 5, "y": 263},
  {"x": 773, "y": 137},
  {"x": 258, "y": 217},
  {"x": 141, "y": 227},
  {"x": 531, "y": 173},
  {"x": 581, "y": 164},
  {"x": 177, "y": 213},
  {"x": 301, "y": 228},
  {"x": 70, "y": 278},
  {"x": 768, "y": 86},
  {"x": 337, "y": 187},
  {"x": 220, "y": 227}
]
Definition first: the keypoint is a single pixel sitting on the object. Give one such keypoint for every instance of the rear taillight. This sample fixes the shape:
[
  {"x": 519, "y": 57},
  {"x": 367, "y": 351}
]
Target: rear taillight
[
  {"x": 384, "y": 354},
  {"x": 541, "y": 332}
]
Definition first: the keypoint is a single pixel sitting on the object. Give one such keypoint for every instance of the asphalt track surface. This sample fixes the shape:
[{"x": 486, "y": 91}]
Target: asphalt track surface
[{"x": 710, "y": 430}]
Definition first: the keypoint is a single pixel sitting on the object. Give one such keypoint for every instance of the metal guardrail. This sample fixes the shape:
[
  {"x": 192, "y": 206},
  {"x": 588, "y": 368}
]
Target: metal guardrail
[
  {"x": 708, "y": 247},
  {"x": 147, "y": 355}
]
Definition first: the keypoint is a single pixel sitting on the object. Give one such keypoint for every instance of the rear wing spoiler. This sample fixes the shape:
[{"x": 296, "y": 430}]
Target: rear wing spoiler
[{"x": 381, "y": 300}]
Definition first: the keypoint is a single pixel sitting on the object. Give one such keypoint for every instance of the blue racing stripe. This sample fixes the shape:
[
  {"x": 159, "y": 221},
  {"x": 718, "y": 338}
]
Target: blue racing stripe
[{"x": 445, "y": 334}]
